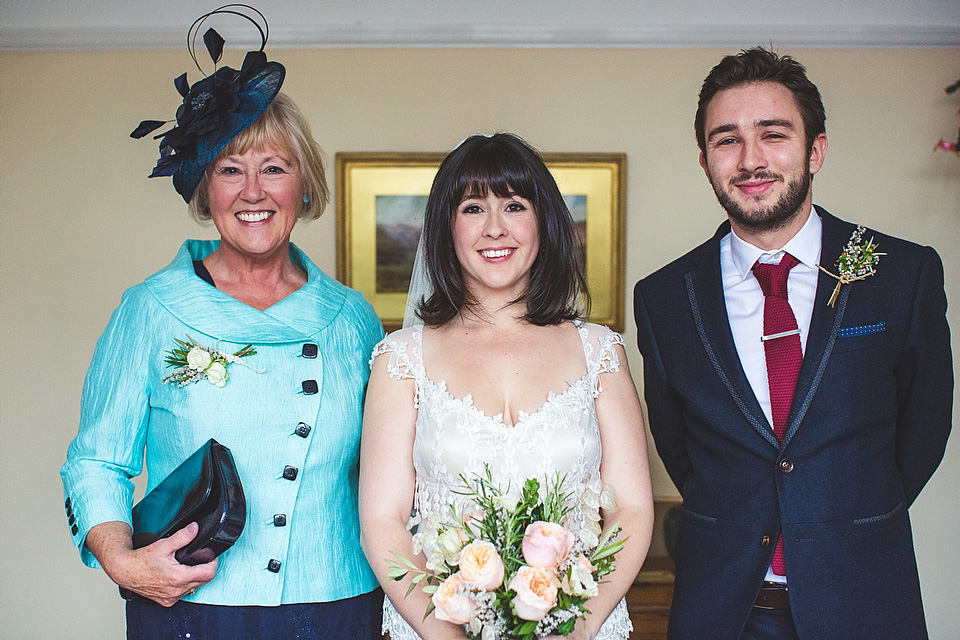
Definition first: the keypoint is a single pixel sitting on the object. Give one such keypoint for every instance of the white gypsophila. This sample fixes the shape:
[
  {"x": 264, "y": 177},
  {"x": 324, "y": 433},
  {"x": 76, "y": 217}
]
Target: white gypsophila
[
  {"x": 198, "y": 358},
  {"x": 551, "y": 621},
  {"x": 486, "y": 616},
  {"x": 216, "y": 373}
]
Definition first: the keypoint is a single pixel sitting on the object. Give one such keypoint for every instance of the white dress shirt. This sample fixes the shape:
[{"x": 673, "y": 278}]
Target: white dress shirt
[{"x": 744, "y": 301}]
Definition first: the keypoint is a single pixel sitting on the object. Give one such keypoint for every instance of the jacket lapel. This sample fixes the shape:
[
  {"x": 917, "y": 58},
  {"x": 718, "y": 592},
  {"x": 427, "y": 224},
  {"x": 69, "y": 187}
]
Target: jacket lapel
[
  {"x": 705, "y": 294},
  {"x": 208, "y": 310},
  {"x": 824, "y": 322}
]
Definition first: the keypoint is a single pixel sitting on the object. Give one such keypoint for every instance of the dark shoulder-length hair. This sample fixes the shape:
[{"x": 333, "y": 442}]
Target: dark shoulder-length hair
[{"x": 505, "y": 164}]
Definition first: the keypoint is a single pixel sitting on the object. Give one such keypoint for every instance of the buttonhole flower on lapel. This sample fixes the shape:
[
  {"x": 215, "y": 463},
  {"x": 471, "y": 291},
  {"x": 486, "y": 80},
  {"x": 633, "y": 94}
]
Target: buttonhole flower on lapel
[
  {"x": 856, "y": 262},
  {"x": 194, "y": 362}
]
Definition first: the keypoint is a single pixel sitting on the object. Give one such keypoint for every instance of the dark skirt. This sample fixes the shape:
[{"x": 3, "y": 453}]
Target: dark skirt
[{"x": 355, "y": 618}]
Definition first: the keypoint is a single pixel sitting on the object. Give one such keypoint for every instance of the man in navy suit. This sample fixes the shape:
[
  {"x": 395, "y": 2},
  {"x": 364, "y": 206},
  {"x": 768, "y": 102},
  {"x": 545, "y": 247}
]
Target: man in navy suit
[{"x": 797, "y": 439}]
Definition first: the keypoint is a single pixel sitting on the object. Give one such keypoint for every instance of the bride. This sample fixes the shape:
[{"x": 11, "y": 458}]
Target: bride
[{"x": 501, "y": 371}]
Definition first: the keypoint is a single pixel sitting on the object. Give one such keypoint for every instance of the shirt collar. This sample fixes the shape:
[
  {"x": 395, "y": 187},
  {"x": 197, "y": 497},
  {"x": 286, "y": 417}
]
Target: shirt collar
[{"x": 804, "y": 246}]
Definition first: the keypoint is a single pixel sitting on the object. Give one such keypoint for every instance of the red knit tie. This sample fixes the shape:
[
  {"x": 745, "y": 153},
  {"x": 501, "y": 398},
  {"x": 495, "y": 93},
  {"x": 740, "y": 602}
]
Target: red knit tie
[{"x": 781, "y": 346}]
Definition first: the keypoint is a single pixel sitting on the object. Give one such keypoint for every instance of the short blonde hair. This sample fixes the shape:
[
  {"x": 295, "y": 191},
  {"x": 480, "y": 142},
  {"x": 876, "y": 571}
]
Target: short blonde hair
[{"x": 281, "y": 126}]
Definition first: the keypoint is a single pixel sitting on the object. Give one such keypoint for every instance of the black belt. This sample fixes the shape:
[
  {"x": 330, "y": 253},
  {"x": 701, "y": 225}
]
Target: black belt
[{"x": 773, "y": 595}]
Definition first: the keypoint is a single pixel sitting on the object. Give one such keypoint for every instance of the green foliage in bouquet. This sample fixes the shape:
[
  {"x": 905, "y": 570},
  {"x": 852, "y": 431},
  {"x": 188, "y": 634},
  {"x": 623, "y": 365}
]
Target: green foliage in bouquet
[{"x": 512, "y": 568}]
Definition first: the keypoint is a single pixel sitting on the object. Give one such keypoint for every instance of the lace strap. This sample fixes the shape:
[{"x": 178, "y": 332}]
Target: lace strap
[
  {"x": 608, "y": 360},
  {"x": 599, "y": 344},
  {"x": 406, "y": 360}
]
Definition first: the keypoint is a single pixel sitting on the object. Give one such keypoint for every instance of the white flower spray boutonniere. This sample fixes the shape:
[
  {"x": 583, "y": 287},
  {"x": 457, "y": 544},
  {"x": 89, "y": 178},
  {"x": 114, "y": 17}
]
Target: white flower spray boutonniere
[
  {"x": 857, "y": 262},
  {"x": 195, "y": 362}
]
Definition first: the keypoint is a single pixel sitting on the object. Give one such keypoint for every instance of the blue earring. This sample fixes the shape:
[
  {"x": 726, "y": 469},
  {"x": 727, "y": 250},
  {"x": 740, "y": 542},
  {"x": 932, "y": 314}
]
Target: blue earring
[{"x": 306, "y": 198}]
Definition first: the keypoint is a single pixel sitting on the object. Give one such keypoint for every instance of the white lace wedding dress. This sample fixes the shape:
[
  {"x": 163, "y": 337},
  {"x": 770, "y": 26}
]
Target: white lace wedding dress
[{"x": 453, "y": 437}]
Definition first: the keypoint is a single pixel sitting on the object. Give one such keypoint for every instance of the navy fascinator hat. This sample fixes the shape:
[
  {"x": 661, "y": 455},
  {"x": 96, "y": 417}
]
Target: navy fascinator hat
[{"x": 216, "y": 108}]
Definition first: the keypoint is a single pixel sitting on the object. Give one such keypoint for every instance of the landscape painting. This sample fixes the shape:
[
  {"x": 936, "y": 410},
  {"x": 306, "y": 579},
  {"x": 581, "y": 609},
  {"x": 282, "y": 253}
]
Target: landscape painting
[{"x": 399, "y": 220}]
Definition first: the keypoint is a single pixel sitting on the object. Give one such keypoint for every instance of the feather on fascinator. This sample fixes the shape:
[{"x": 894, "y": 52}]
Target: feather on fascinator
[{"x": 216, "y": 108}]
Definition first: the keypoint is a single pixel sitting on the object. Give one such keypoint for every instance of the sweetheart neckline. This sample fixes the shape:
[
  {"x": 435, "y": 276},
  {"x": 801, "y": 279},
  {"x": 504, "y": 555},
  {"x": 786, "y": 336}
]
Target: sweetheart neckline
[{"x": 497, "y": 419}]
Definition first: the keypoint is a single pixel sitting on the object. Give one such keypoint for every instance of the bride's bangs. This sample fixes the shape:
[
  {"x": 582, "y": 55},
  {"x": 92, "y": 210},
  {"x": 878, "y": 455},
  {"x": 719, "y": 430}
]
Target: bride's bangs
[{"x": 497, "y": 168}]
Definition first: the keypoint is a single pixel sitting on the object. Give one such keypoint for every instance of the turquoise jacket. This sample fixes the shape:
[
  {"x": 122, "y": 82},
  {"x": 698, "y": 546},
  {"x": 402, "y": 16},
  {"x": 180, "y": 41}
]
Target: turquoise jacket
[{"x": 301, "y": 542}]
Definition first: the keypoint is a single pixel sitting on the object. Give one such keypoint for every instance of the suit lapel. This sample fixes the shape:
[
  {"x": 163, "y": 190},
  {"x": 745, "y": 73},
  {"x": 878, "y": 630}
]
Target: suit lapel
[
  {"x": 824, "y": 322},
  {"x": 705, "y": 294}
]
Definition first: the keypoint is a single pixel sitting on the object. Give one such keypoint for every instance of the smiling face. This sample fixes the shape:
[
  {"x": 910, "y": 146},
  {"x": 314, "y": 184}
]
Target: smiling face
[
  {"x": 756, "y": 157},
  {"x": 254, "y": 201},
  {"x": 496, "y": 242}
]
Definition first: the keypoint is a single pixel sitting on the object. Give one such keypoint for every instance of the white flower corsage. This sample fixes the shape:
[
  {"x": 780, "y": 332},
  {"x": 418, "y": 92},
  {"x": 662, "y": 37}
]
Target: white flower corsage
[
  {"x": 195, "y": 362},
  {"x": 856, "y": 262}
]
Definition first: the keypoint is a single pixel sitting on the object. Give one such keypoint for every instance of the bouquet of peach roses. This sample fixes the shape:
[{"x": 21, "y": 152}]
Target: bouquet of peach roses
[{"x": 513, "y": 569}]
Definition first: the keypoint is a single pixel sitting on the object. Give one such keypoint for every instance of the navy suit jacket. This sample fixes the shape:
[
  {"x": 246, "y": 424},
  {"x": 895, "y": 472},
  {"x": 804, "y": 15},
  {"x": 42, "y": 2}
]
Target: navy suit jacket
[{"x": 867, "y": 428}]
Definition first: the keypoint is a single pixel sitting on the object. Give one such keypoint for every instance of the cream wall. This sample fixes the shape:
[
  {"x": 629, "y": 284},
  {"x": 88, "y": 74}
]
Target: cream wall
[{"x": 80, "y": 223}]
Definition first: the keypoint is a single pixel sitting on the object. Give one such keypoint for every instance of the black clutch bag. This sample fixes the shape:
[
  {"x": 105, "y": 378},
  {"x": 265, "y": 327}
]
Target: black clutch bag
[{"x": 205, "y": 489}]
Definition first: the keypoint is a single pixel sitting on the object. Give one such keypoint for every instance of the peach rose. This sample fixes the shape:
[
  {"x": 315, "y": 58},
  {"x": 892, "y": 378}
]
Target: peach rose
[
  {"x": 536, "y": 592},
  {"x": 481, "y": 566},
  {"x": 546, "y": 544},
  {"x": 452, "y": 601}
]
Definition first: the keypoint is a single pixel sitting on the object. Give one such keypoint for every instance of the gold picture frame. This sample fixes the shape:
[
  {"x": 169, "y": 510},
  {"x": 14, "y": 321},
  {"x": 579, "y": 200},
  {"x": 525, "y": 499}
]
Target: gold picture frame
[{"x": 378, "y": 195}]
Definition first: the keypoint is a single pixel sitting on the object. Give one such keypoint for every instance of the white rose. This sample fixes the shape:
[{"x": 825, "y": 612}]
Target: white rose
[
  {"x": 217, "y": 374},
  {"x": 509, "y": 501},
  {"x": 198, "y": 358},
  {"x": 579, "y": 579},
  {"x": 448, "y": 544}
]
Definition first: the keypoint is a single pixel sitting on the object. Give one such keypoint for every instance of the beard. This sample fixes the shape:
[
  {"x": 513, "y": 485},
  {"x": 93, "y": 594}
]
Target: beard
[{"x": 770, "y": 217}]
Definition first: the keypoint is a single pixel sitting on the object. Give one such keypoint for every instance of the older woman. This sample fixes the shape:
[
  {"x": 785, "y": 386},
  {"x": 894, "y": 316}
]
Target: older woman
[
  {"x": 502, "y": 376},
  {"x": 289, "y": 411}
]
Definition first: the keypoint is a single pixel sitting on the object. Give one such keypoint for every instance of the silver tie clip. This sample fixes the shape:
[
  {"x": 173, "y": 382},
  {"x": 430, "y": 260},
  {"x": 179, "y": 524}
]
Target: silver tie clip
[{"x": 782, "y": 334}]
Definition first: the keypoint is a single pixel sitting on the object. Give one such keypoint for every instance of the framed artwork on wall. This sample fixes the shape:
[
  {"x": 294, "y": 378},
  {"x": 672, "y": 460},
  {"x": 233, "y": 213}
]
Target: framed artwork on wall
[{"x": 381, "y": 198}]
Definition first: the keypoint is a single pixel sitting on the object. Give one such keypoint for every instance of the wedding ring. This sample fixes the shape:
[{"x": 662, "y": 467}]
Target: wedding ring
[{"x": 191, "y": 592}]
